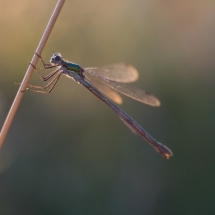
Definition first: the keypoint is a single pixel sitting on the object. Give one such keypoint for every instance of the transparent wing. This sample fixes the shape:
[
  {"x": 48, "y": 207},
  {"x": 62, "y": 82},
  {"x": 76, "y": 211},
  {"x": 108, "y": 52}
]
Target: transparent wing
[
  {"x": 136, "y": 94},
  {"x": 119, "y": 72},
  {"x": 111, "y": 94}
]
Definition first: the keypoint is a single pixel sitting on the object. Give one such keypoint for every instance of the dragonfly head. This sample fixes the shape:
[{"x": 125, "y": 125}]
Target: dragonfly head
[{"x": 56, "y": 59}]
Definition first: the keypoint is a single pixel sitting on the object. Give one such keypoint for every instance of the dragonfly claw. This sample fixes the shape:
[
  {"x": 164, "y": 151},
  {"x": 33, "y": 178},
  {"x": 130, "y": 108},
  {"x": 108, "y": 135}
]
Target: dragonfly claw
[
  {"x": 38, "y": 55},
  {"x": 29, "y": 63}
]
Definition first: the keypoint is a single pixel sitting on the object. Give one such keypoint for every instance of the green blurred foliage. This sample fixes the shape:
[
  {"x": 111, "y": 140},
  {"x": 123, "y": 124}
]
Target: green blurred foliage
[{"x": 67, "y": 153}]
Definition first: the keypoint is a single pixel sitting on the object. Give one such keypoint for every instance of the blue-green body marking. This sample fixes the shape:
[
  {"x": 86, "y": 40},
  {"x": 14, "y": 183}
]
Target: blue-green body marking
[{"x": 73, "y": 67}]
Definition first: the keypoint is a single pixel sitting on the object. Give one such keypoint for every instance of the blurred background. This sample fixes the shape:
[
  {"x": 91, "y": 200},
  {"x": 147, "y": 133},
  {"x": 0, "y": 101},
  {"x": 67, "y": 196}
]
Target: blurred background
[{"x": 67, "y": 152}]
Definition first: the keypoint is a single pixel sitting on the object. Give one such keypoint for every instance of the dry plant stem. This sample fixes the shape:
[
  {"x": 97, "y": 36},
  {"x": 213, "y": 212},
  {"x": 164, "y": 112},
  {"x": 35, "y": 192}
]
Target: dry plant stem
[{"x": 29, "y": 72}]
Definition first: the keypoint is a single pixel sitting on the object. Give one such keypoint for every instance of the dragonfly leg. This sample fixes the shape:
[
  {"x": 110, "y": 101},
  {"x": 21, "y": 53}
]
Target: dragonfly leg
[
  {"x": 22, "y": 91},
  {"x": 45, "y": 65},
  {"x": 45, "y": 78},
  {"x": 51, "y": 84}
]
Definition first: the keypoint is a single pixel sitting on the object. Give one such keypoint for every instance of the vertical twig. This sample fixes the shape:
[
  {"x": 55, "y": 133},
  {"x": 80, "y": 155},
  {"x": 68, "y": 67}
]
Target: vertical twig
[{"x": 29, "y": 72}]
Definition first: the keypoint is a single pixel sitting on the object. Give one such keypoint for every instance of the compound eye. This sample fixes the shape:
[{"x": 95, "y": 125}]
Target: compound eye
[{"x": 58, "y": 58}]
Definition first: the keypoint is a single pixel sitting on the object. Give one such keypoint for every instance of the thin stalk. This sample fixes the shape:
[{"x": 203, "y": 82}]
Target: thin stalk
[{"x": 29, "y": 72}]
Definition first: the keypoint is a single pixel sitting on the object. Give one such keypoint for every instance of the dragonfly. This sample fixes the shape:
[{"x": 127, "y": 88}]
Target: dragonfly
[{"x": 104, "y": 83}]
